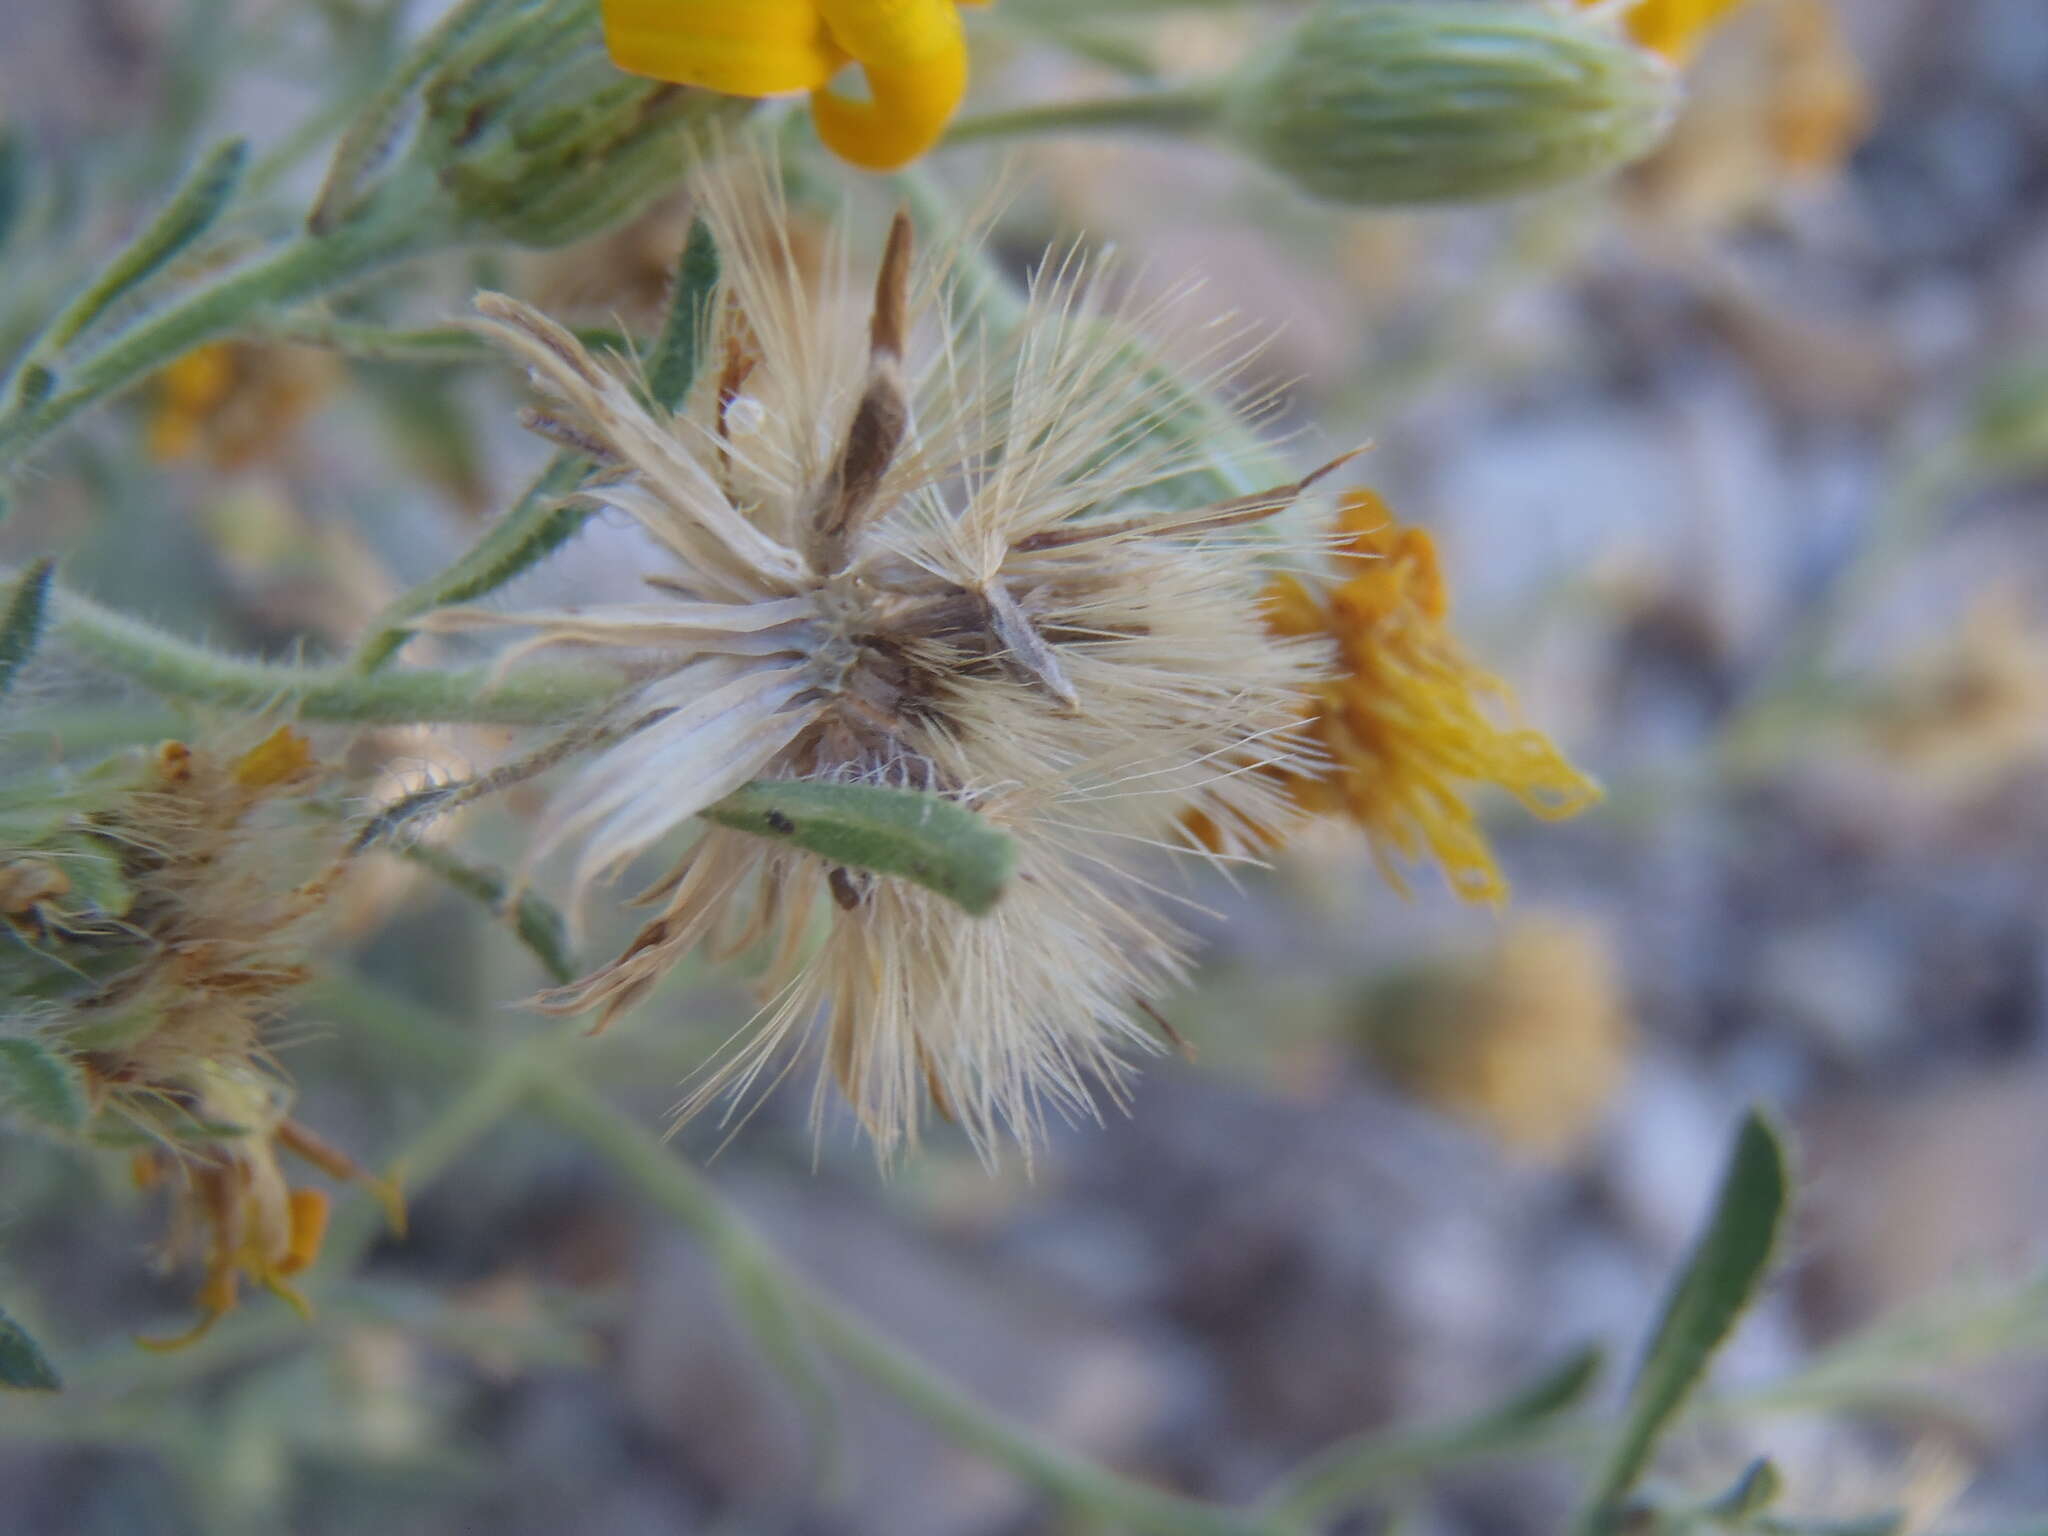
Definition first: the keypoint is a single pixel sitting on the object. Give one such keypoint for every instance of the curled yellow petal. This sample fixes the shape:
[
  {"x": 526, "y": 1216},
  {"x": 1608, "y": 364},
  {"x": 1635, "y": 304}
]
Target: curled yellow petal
[
  {"x": 1409, "y": 725},
  {"x": 914, "y": 55},
  {"x": 739, "y": 47}
]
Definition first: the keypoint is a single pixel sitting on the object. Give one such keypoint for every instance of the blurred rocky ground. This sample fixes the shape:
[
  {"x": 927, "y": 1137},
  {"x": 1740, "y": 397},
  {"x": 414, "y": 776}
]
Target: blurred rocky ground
[{"x": 1653, "y": 427}]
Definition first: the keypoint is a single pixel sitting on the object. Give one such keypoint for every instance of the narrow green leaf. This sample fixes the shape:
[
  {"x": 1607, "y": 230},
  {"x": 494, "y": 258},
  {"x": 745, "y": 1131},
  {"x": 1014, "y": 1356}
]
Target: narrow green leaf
[
  {"x": 535, "y": 528},
  {"x": 21, "y": 621},
  {"x": 1755, "y": 1491},
  {"x": 1371, "y": 1462},
  {"x": 23, "y": 1365},
  {"x": 41, "y": 1085},
  {"x": 925, "y": 839},
  {"x": 539, "y": 925},
  {"x": 680, "y": 351},
  {"x": 192, "y": 210},
  {"x": 1717, "y": 1284},
  {"x": 32, "y": 385}
]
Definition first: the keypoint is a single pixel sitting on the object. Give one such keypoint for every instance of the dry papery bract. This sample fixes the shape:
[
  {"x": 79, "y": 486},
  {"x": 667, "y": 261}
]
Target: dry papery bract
[{"x": 910, "y": 551}]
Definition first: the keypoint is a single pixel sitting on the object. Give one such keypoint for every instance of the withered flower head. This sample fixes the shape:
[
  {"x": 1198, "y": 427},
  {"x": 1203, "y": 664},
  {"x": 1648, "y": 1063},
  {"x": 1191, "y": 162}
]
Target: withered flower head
[
  {"x": 1411, "y": 724},
  {"x": 173, "y": 909},
  {"x": 908, "y": 554}
]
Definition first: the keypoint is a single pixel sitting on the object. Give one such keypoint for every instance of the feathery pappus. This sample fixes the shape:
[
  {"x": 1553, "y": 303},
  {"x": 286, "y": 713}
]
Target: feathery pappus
[{"x": 913, "y": 550}]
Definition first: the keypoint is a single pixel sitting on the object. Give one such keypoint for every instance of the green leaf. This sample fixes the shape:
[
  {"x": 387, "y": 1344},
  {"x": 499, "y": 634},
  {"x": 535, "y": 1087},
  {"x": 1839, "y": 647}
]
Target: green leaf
[
  {"x": 1370, "y": 1462},
  {"x": 2008, "y": 430},
  {"x": 680, "y": 351},
  {"x": 1755, "y": 1491},
  {"x": 192, "y": 210},
  {"x": 925, "y": 839},
  {"x": 535, "y": 528},
  {"x": 42, "y": 1085},
  {"x": 21, "y": 621},
  {"x": 1717, "y": 1284},
  {"x": 23, "y": 1365}
]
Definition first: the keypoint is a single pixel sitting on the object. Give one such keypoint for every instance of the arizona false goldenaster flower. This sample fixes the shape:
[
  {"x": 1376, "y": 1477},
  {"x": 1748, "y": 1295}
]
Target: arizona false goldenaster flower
[
  {"x": 1410, "y": 722},
  {"x": 913, "y": 54},
  {"x": 909, "y": 555}
]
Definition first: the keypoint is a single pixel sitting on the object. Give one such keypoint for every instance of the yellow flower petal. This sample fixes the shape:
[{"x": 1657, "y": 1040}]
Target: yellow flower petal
[
  {"x": 1674, "y": 27},
  {"x": 914, "y": 54},
  {"x": 739, "y": 47}
]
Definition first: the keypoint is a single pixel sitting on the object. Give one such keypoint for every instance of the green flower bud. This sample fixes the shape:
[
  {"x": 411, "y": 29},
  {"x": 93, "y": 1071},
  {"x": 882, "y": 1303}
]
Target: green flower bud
[
  {"x": 511, "y": 123},
  {"x": 540, "y": 140},
  {"x": 1448, "y": 101}
]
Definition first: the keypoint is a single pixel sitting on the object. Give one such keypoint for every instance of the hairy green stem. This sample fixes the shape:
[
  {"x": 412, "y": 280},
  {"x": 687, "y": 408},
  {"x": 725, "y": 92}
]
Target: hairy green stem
[
  {"x": 429, "y": 346},
  {"x": 307, "y": 266},
  {"x": 1184, "y": 110},
  {"x": 180, "y": 669}
]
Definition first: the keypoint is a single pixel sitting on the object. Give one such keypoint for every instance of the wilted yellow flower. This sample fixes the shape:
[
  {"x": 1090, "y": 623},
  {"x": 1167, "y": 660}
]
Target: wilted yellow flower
[
  {"x": 1530, "y": 1041},
  {"x": 910, "y": 555},
  {"x": 1411, "y": 725},
  {"x": 913, "y": 54},
  {"x": 230, "y": 1200},
  {"x": 1970, "y": 713},
  {"x": 177, "y": 903},
  {"x": 232, "y": 402}
]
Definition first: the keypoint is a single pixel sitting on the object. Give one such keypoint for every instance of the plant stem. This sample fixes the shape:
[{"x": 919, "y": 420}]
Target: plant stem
[
  {"x": 430, "y": 346},
  {"x": 306, "y": 266},
  {"x": 646, "y": 1162},
  {"x": 182, "y": 670},
  {"x": 653, "y": 1168},
  {"x": 1183, "y": 110}
]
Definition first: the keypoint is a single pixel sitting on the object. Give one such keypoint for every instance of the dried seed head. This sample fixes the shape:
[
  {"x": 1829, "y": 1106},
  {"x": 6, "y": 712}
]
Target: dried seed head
[{"x": 937, "y": 560}]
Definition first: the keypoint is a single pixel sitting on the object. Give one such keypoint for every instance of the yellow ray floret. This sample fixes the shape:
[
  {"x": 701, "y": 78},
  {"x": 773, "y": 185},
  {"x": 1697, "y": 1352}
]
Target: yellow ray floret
[
  {"x": 1410, "y": 724},
  {"x": 1672, "y": 27},
  {"x": 913, "y": 54}
]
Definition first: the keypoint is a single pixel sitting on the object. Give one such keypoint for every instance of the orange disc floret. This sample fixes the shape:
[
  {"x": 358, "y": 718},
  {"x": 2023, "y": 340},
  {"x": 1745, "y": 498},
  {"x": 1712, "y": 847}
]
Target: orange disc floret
[{"x": 1408, "y": 724}]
